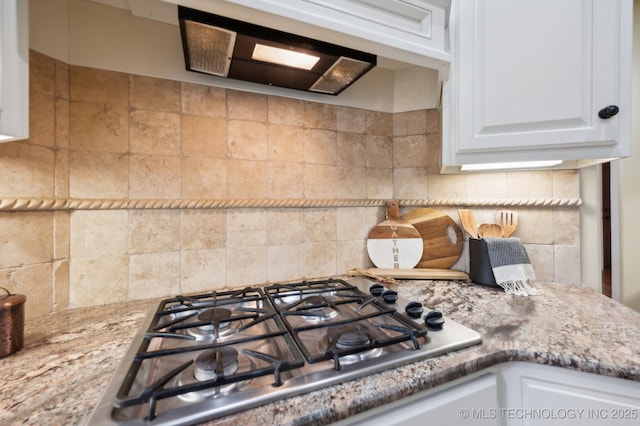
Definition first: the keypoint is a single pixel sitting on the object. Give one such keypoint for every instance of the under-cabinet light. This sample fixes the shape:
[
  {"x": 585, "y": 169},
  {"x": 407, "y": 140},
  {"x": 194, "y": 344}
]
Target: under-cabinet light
[
  {"x": 5, "y": 138},
  {"x": 290, "y": 58},
  {"x": 510, "y": 165}
]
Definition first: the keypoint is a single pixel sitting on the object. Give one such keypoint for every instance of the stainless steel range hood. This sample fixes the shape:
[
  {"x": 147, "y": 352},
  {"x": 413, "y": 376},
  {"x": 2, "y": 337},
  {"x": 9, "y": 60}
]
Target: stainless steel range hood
[{"x": 239, "y": 50}]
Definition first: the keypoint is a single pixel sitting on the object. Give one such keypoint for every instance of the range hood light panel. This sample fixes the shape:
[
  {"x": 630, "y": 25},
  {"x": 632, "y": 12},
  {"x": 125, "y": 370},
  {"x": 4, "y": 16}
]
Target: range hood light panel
[
  {"x": 224, "y": 47},
  {"x": 512, "y": 165},
  {"x": 285, "y": 57}
]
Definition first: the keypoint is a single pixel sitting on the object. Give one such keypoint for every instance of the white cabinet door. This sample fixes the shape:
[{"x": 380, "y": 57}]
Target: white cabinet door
[
  {"x": 529, "y": 78},
  {"x": 473, "y": 400},
  {"x": 544, "y": 395},
  {"x": 14, "y": 70}
]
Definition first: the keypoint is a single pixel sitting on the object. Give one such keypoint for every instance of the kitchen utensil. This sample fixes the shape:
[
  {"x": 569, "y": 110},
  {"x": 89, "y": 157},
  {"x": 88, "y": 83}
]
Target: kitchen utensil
[
  {"x": 468, "y": 221},
  {"x": 508, "y": 220},
  {"x": 394, "y": 243},
  {"x": 11, "y": 322},
  {"x": 438, "y": 231},
  {"x": 490, "y": 230},
  {"x": 411, "y": 274}
]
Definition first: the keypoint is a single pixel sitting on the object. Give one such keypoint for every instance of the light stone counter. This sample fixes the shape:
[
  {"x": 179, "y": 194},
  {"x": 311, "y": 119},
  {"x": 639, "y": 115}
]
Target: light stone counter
[{"x": 69, "y": 357}]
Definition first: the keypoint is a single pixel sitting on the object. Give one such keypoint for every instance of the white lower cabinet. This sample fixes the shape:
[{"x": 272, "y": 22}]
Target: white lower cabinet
[
  {"x": 470, "y": 400},
  {"x": 515, "y": 394}
]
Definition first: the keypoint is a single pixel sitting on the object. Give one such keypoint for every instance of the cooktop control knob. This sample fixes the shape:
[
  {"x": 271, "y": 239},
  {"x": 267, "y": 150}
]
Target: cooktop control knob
[
  {"x": 414, "y": 309},
  {"x": 376, "y": 290},
  {"x": 434, "y": 320},
  {"x": 390, "y": 296}
]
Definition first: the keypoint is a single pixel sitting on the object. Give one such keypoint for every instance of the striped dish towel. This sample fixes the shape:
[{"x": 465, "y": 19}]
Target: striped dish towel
[{"x": 511, "y": 267}]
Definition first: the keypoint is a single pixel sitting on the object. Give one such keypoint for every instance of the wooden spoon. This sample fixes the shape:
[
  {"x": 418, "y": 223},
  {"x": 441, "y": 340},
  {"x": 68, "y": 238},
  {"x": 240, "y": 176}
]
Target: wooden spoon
[
  {"x": 491, "y": 230},
  {"x": 508, "y": 220},
  {"x": 468, "y": 221}
]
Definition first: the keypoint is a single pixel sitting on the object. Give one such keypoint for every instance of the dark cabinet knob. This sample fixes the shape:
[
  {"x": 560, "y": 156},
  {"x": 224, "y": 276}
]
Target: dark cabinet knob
[{"x": 608, "y": 112}]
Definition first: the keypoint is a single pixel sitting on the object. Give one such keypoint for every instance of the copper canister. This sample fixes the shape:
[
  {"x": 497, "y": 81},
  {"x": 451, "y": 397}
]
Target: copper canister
[{"x": 11, "y": 322}]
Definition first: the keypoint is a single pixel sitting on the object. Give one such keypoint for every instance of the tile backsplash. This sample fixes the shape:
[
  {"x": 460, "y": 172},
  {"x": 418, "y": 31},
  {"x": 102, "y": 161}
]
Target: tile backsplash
[{"x": 145, "y": 159}]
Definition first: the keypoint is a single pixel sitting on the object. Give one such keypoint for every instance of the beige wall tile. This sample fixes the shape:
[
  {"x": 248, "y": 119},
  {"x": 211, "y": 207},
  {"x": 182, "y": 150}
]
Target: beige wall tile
[
  {"x": 203, "y": 229},
  {"x": 203, "y": 270},
  {"x": 566, "y": 184},
  {"x": 351, "y": 120},
  {"x": 320, "y": 146},
  {"x": 246, "y": 179},
  {"x": 530, "y": 184},
  {"x": 351, "y": 149},
  {"x": 246, "y": 266},
  {"x": 351, "y": 254},
  {"x": 154, "y": 132},
  {"x": 285, "y": 111},
  {"x": 99, "y": 86},
  {"x": 285, "y": 180},
  {"x": 61, "y": 83},
  {"x": 320, "y": 225},
  {"x": 26, "y": 170},
  {"x": 34, "y": 281},
  {"x": 433, "y": 121},
  {"x": 152, "y": 93},
  {"x": 535, "y": 226},
  {"x": 61, "y": 228},
  {"x": 410, "y": 151},
  {"x": 379, "y": 183},
  {"x": 320, "y": 259},
  {"x": 154, "y": 176},
  {"x": 542, "y": 261},
  {"x": 567, "y": 269},
  {"x": 61, "y": 174},
  {"x": 354, "y": 223},
  {"x": 319, "y": 116},
  {"x": 379, "y": 123},
  {"x": 486, "y": 185},
  {"x": 99, "y": 233},
  {"x": 154, "y": 231},
  {"x": 98, "y": 175},
  {"x": 246, "y": 227},
  {"x": 41, "y": 73},
  {"x": 566, "y": 225},
  {"x": 247, "y": 140},
  {"x": 62, "y": 123},
  {"x": 198, "y": 99},
  {"x": 410, "y": 183},
  {"x": 60, "y": 285},
  {"x": 285, "y": 226},
  {"x": 98, "y": 128},
  {"x": 204, "y": 136},
  {"x": 26, "y": 238},
  {"x": 446, "y": 186},
  {"x": 285, "y": 262},
  {"x": 41, "y": 119},
  {"x": 153, "y": 275},
  {"x": 434, "y": 151},
  {"x": 204, "y": 178},
  {"x": 98, "y": 280},
  {"x": 410, "y": 123},
  {"x": 319, "y": 181},
  {"x": 246, "y": 106},
  {"x": 351, "y": 182},
  {"x": 286, "y": 143},
  {"x": 379, "y": 151}
]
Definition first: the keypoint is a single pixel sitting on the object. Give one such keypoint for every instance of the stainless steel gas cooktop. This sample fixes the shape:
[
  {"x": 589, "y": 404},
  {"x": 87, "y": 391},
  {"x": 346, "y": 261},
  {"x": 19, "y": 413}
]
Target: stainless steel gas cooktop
[{"x": 205, "y": 356}]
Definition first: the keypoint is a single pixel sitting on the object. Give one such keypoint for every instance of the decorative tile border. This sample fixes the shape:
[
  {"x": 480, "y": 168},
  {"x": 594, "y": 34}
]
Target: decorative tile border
[{"x": 44, "y": 204}]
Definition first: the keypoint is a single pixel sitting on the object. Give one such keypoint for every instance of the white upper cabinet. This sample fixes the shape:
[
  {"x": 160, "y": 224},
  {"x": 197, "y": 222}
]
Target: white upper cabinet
[
  {"x": 14, "y": 70},
  {"x": 529, "y": 79}
]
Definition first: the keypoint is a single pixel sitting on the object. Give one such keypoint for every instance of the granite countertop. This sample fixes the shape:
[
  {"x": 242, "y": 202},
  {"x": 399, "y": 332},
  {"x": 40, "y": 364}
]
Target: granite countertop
[{"x": 69, "y": 357}]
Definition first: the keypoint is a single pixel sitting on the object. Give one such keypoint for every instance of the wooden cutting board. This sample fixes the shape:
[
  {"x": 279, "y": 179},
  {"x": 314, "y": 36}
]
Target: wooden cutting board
[
  {"x": 441, "y": 236},
  {"x": 394, "y": 243},
  {"x": 410, "y": 274}
]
